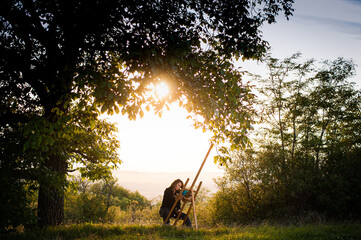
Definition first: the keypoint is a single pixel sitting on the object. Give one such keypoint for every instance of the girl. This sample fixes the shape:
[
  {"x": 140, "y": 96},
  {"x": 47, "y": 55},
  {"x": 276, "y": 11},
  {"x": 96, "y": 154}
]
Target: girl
[{"x": 169, "y": 197}]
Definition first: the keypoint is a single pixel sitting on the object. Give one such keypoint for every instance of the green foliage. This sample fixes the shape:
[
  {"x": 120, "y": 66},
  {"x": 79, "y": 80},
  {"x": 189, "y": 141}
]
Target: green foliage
[
  {"x": 16, "y": 208},
  {"x": 103, "y": 201},
  {"x": 14, "y": 205},
  {"x": 306, "y": 157}
]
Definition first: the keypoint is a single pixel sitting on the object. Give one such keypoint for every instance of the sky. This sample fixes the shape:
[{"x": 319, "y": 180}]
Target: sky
[{"x": 320, "y": 29}]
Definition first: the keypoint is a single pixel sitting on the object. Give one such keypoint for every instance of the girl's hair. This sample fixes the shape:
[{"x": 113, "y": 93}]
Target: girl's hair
[{"x": 175, "y": 183}]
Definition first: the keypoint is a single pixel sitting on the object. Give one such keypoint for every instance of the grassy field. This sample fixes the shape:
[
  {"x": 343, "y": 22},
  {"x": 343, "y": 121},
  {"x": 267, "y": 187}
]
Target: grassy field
[{"x": 102, "y": 231}]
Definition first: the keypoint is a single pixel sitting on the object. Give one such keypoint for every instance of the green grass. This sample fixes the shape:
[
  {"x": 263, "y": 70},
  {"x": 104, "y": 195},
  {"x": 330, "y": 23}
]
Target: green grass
[{"x": 269, "y": 232}]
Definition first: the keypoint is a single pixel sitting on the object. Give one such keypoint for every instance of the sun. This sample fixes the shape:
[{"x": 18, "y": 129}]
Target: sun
[{"x": 161, "y": 90}]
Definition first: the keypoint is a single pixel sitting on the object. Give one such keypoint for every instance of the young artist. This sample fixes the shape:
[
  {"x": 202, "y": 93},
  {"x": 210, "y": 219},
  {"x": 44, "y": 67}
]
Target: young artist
[{"x": 169, "y": 197}]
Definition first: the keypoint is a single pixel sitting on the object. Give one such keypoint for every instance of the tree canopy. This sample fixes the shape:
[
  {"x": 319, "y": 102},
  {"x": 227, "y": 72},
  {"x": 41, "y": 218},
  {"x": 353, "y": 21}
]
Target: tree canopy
[
  {"x": 306, "y": 158},
  {"x": 63, "y": 63}
]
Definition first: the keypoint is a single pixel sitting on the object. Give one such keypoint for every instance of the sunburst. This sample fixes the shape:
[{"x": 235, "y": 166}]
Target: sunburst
[{"x": 161, "y": 90}]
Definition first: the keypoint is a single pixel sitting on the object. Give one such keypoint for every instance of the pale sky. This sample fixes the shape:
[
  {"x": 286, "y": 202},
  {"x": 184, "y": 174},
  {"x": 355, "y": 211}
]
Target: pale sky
[
  {"x": 320, "y": 29},
  {"x": 166, "y": 144}
]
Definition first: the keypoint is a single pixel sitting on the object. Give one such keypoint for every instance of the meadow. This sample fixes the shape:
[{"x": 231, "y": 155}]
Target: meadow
[{"x": 344, "y": 231}]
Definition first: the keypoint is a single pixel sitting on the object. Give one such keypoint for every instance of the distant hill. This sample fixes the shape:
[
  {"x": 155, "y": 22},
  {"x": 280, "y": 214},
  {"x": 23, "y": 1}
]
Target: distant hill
[{"x": 152, "y": 185}]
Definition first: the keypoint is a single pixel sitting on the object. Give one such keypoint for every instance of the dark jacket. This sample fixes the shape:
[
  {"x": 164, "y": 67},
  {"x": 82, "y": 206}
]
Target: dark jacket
[{"x": 169, "y": 199}]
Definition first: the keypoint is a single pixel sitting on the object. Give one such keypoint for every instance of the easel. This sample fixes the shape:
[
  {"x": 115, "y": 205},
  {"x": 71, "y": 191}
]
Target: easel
[{"x": 189, "y": 196}]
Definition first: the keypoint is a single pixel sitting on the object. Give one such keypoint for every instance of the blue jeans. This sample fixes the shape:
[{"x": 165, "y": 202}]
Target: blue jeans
[{"x": 163, "y": 212}]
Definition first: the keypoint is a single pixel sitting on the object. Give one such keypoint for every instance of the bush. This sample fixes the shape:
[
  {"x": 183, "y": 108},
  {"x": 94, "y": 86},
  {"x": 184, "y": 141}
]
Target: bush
[
  {"x": 15, "y": 203},
  {"x": 102, "y": 202}
]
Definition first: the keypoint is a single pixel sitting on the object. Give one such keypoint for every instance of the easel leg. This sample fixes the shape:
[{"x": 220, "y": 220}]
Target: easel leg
[
  {"x": 193, "y": 205},
  {"x": 194, "y": 212},
  {"x": 180, "y": 212}
]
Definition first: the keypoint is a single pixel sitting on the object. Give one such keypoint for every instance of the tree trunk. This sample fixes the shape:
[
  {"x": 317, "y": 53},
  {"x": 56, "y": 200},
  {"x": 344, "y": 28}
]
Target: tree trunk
[
  {"x": 294, "y": 135},
  {"x": 51, "y": 193}
]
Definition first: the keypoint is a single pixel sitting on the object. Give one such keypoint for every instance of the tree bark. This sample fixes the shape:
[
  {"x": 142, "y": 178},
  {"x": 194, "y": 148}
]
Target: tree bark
[{"x": 51, "y": 193}]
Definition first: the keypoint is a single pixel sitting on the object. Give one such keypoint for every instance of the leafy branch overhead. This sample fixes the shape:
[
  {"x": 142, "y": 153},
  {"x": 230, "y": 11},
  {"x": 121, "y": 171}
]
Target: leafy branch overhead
[
  {"x": 63, "y": 63},
  {"x": 117, "y": 54}
]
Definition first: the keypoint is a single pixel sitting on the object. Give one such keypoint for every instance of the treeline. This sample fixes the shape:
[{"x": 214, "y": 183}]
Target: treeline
[
  {"x": 103, "y": 201},
  {"x": 305, "y": 162}
]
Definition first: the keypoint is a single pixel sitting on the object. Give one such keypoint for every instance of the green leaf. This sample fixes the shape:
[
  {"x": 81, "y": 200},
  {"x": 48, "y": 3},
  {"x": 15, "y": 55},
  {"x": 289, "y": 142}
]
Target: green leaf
[
  {"x": 116, "y": 109},
  {"x": 92, "y": 124},
  {"x": 103, "y": 109}
]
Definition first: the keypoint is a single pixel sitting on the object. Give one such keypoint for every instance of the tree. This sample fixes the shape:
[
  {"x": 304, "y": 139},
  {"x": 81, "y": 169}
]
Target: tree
[
  {"x": 306, "y": 158},
  {"x": 313, "y": 118},
  {"x": 63, "y": 63},
  {"x": 239, "y": 196}
]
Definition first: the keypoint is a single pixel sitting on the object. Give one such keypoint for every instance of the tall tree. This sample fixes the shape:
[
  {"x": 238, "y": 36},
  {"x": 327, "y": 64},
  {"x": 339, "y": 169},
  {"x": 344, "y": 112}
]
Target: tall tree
[
  {"x": 63, "y": 63},
  {"x": 306, "y": 158},
  {"x": 284, "y": 101}
]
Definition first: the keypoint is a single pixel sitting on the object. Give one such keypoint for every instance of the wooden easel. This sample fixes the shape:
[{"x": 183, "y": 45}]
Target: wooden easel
[{"x": 190, "y": 196}]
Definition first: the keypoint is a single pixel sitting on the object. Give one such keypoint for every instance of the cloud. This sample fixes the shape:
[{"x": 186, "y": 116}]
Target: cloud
[
  {"x": 349, "y": 27},
  {"x": 357, "y": 2}
]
